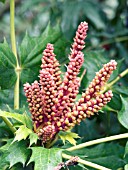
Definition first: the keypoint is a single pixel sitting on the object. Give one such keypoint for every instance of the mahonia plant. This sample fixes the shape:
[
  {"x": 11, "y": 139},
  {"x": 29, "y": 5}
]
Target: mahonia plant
[{"x": 52, "y": 100}]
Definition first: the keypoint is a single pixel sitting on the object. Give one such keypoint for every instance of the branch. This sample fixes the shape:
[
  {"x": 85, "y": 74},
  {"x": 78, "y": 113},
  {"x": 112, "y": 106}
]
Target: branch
[
  {"x": 9, "y": 124},
  {"x": 98, "y": 141},
  {"x": 14, "y": 50}
]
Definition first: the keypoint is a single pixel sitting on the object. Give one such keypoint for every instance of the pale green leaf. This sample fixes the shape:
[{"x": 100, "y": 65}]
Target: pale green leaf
[
  {"x": 22, "y": 118},
  {"x": 45, "y": 159},
  {"x": 126, "y": 167},
  {"x": 28, "y": 120},
  {"x": 68, "y": 136},
  {"x": 33, "y": 138},
  {"x": 22, "y": 133}
]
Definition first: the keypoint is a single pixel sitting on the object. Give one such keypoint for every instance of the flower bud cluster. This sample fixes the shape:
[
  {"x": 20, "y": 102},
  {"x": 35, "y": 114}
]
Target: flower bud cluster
[
  {"x": 52, "y": 101},
  {"x": 99, "y": 81},
  {"x": 46, "y": 133},
  {"x": 79, "y": 43},
  {"x": 51, "y": 65},
  {"x": 35, "y": 100}
]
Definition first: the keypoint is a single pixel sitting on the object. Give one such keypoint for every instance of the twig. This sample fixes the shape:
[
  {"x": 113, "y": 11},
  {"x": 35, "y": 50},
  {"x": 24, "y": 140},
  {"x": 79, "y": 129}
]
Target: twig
[{"x": 98, "y": 141}]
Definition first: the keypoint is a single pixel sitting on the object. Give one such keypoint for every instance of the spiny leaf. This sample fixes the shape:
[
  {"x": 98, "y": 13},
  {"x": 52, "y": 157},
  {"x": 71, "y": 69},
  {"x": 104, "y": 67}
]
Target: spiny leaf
[
  {"x": 33, "y": 138},
  {"x": 7, "y": 67},
  {"x": 45, "y": 159},
  {"x": 31, "y": 52},
  {"x": 21, "y": 118},
  {"x": 69, "y": 136},
  {"x": 22, "y": 133},
  {"x": 123, "y": 113},
  {"x": 13, "y": 153},
  {"x": 28, "y": 121}
]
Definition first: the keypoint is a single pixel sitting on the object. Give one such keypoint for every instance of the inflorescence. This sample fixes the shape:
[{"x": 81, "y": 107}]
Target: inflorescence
[{"x": 52, "y": 101}]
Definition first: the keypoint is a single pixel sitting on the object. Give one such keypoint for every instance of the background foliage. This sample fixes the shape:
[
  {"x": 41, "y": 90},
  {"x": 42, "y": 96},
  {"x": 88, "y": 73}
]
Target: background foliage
[{"x": 37, "y": 23}]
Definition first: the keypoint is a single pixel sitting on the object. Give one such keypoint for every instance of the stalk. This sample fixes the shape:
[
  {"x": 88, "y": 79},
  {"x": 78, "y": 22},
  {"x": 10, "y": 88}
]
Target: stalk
[
  {"x": 98, "y": 141},
  {"x": 9, "y": 124},
  {"x": 13, "y": 44},
  {"x": 49, "y": 145},
  {"x": 87, "y": 163}
]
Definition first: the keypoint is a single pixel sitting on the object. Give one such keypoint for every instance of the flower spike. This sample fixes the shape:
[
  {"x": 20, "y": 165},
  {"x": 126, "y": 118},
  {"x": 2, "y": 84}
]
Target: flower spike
[
  {"x": 51, "y": 101},
  {"x": 99, "y": 81}
]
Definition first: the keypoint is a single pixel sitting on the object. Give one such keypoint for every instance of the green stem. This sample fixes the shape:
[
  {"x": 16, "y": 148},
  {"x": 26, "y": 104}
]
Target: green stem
[
  {"x": 17, "y": 91},
  {"x": 49, "y": 145},
  {"x": 9, "y": 124},
  {"x": 12, "y": 27},
  {"x": 13, "y": 43},
  {"x": 87, "y": 163},
  {"x": 97, "y": 141}
]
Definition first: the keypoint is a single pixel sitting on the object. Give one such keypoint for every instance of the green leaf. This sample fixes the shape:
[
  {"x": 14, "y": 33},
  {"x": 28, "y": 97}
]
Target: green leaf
[
  {"x": 7, "y": 67},
  {"x": 22, "y": 133},
  {"x": 115, "y": 102},
  {"x": 28, "y": 120},
  {"x": 23, "y": 118},
  {"x": 126, "y": 149},
  {"x": 95, "y": 16},
  {"x": 120, "y": 90},
  {"x": 13, "y": 153},
  {"x": 123, "y": 113},
  {"x": 108, "y": 109},
  {"x": 45, "y": 159},
  {"x": 110, "y": 155},
  {"x": 60, "y": 50},
  {"x": 31, "y": 49},
  {"x": 69, "y": 136},
  {"x": 93, "y": 62},
  {"x": 33, "y": 138},
  {"x": 89, "y": 9},
  {"x": 6, "y": 98}
]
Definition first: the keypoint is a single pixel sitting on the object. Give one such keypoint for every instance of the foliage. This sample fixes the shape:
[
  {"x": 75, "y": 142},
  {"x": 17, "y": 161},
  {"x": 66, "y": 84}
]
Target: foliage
[
  {"x": 68, "y": 136},
  {"x": 20, "y": 147},
  {"x": 45, "y": 158}
]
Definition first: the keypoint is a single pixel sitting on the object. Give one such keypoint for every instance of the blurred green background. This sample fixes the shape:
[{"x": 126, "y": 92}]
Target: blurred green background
[{"x": 108, "y": 21}]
